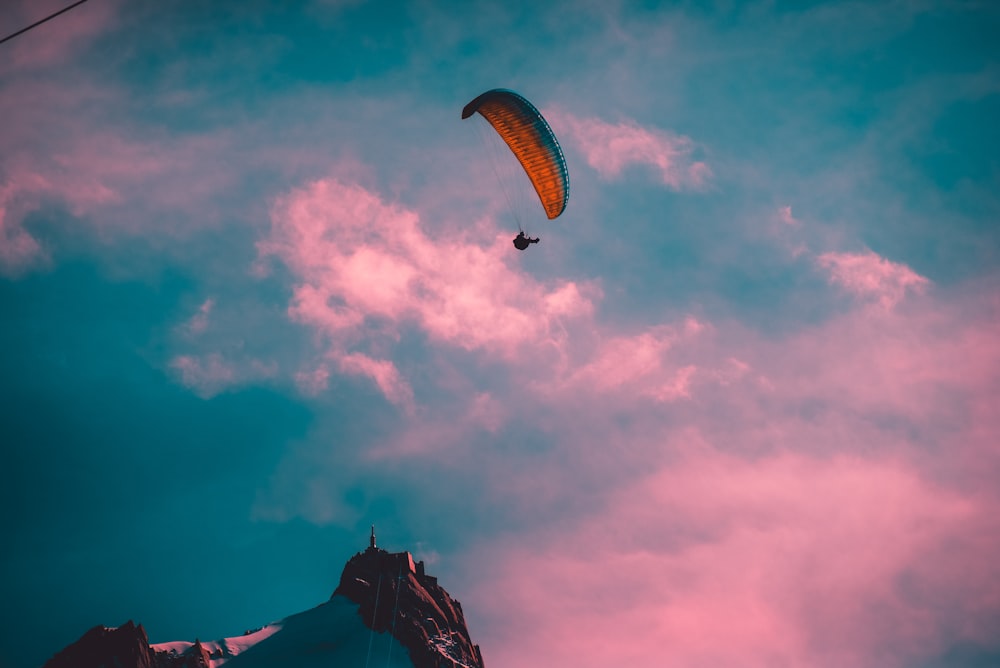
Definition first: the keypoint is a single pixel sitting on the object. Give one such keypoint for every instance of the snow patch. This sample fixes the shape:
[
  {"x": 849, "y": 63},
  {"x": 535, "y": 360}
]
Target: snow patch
[
  {"x": 331, "y": 634},
  {"x": 446, "y": 646}
]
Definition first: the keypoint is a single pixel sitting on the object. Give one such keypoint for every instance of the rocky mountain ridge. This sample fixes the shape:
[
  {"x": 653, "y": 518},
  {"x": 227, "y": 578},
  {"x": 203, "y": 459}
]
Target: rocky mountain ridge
[
  {"x": 395, "y": 594},
  {"x": 385, "y": 609}
]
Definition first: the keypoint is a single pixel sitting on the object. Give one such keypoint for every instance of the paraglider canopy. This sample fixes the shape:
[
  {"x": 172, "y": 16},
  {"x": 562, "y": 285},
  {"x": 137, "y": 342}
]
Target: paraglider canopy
[{"x": 532, "y": 141}]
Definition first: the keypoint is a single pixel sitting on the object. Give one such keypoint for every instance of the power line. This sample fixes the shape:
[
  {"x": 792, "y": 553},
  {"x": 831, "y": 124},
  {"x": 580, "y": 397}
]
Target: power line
[{"x": 38, "y": 23}]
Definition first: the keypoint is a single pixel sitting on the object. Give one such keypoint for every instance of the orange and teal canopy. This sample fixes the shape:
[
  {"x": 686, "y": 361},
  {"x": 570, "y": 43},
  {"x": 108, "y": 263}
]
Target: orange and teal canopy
[{"x": 532, "y": 141}]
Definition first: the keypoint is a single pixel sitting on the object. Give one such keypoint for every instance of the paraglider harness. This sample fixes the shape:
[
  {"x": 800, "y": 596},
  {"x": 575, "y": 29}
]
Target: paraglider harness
[{"x": 521, "y": 242}]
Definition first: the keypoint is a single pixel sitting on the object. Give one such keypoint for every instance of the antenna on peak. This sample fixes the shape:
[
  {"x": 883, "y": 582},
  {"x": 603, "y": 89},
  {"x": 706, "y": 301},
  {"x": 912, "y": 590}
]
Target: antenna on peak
[{"x": 371, "y": 542}]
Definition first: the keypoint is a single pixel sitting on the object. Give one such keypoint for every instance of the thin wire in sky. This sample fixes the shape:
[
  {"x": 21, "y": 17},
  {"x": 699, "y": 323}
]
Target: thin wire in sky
[{"x": 38, "y": 23}]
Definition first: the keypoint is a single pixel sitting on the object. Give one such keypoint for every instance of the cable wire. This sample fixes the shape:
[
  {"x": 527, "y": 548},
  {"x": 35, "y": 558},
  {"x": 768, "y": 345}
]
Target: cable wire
[
  {"x": 395, "y": 609},
  {"x": 38, "y": 23},
  {"x": 371, "y": 636}
]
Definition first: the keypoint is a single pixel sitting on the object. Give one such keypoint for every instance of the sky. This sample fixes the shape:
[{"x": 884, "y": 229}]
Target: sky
[{"x": 737, "y": 407}]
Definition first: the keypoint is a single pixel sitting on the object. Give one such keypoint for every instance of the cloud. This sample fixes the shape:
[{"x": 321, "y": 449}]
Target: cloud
[
  {"x": 644, "y": 364},
  {"x": 198, "y": 323},
  {"x": 872, "y": 277},
  {"x": 19, "y": 251},
  {"x": 208, "y": 375},
  {"x": 434, "y": 431},
  {"x": 60, "y": 143},
  {"x": 720, "y": 560},
  {"x": 384, "y": 374},
  {"x": 63, "y": 36},
  {"x": 114, "y": 180},
  {"x": 610, "y": 148},
  {"x": 824, "y": 499},
  {"x": 211, "y": 374},
  {"x": 785, "y": 215},
  {"x": 365, "y": 270},
  {"x": 790, "y": 225},
  {"x": 312, "y": 382},
  {"x": 71, "y": 144}
]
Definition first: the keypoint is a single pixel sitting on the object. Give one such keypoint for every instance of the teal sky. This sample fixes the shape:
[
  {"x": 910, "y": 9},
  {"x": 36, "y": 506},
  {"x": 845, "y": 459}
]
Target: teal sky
[{"x": 736, "y": 408}]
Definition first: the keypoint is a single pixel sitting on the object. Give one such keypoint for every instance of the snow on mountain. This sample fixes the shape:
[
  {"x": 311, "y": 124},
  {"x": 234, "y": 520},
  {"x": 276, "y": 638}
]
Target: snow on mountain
[{"x": 331, "y": 634}]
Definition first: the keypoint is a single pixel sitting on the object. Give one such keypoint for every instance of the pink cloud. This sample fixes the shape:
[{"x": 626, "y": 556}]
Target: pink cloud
[
  {"x": 365, "y": 269},
  {"x": 611, "y": 147},
  {"x": 785, "y": 215},
  {"x": 645, "y": 364},
  {"x": 19, "y": 251},
  {"x": 384, "y": 374},
  {"x": 198, "y": 323},
  {"x": 211, "y": 374},
  {"x": 208, "y": 375},
  {"x": 787, "y": 231},
  {"x": 63, "y": 147},
  {"x": 903, "y": 364},
  {"x": 313, "y": 381},
  {"x": 718, "y": 560},
  {"x": 825, "y": 499},
  {"x": 872, "y": 277},
  {"x": 54, "y": 41},
  {"x": 99, "y": 175},
  {"x": 442, "y": 431}
]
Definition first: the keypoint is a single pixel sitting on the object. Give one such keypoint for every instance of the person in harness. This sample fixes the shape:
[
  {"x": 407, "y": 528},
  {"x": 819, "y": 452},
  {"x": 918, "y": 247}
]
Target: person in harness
[{"x": 521, "y": 242}]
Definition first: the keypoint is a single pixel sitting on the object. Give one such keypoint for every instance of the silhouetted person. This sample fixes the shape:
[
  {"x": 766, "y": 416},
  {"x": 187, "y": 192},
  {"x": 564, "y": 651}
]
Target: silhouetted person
[{"x": 521, "y": 242}]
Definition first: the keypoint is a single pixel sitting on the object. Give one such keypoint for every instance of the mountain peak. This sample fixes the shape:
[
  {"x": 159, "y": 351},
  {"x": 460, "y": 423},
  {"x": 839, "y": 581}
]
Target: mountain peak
[
  {"x": 126, "y": 645},
  {"x": 384, "y": 594},
  {"x": 394, "y": 593}
]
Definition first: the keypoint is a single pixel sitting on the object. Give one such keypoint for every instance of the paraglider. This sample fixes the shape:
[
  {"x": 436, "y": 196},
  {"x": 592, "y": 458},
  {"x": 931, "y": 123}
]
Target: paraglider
[
  {"x": 521, "y": 242},
  {"x": 529, "y": 137}
]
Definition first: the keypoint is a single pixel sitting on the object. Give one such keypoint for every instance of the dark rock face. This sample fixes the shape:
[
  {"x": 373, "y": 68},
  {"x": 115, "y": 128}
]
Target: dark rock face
[
  {"x": 126, "y": 645},
  {"x": 395, "y": 594}
]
